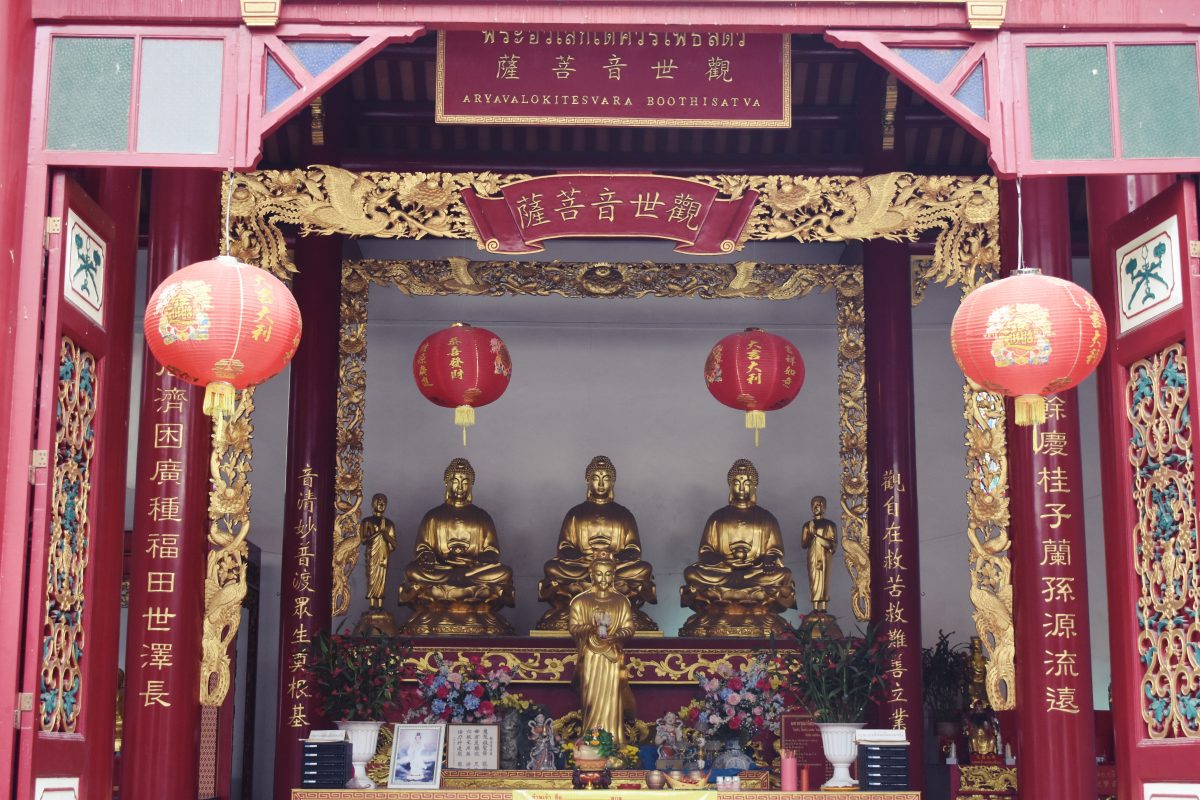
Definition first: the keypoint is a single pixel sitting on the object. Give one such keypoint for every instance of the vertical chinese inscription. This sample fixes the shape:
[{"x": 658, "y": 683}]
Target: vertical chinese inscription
[
  {"x": 1164, "y": 543},
  {"x": 70, "y": 533},
  {"x": 896, "y": 614},
  {"x": 298, "y": 625},
  {"x": 1060, "y": 604}
]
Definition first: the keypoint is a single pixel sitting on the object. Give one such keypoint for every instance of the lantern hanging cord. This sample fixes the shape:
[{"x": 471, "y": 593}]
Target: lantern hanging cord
[
  {"x": 228, "y": 203},
  {"x": 1020, "y": 229}
]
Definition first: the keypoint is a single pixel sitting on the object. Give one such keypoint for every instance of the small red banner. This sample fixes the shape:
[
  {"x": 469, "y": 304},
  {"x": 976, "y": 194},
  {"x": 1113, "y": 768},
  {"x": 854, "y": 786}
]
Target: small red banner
[
  {"x": 628, "y": 78},
  {"x": 654, "y": 206}
]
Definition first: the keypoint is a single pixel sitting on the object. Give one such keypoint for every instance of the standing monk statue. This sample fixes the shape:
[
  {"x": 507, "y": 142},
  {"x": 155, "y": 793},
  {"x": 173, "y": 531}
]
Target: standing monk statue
[
  {"x": 819, "y": 537},
  {"x": 379, "y": 540},
  {"x": 456, "y": 584},
  {"x": 739, "y": 585},
  {"x": 599, "y": 525},
  {"x": 378, "y": 535},
  {"x": 600, "y": 621}
]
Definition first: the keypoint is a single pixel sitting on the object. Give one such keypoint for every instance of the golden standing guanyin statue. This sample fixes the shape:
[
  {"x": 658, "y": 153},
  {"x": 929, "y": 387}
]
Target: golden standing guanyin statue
[
  {"x": 600, "y": 620},
  {"x": 739, "y": 585},
  {"x": 819, "y": 538},
  {"x": 598, "y": 525},
  {"x": 456, "y": 583},
  {"x": 378, "y": 535}
]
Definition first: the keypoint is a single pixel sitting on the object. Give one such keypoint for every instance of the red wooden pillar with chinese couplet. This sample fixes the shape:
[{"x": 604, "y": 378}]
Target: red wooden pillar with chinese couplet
[
  {"x": 1055, "y": 733},
  {"x": 892, "y": 478},
  {"x": 305, "y": 599},
  {"x": 170, "y": 530}
]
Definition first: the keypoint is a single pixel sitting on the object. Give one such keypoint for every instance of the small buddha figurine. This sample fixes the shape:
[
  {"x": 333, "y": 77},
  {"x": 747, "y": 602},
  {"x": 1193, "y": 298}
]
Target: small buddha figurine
[
  {"x": 600, "y": 620},
  {"x": 981, "y": 718},
  {"x": 819, "y": 538},
  {"x": 379, "y": 540},
  {"x": 456, "y": 583},
  {"x": 739, "y": 584},
  {"x": 597, "y": 525}
]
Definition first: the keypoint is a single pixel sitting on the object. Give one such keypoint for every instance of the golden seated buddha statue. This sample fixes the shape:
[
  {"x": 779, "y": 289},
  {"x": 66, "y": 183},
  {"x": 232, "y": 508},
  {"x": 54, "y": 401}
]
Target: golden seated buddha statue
[
  {"x": 597, "y": 525},
  {"x": 739, "y": 585},
  {"x": 455, "y": 583}
]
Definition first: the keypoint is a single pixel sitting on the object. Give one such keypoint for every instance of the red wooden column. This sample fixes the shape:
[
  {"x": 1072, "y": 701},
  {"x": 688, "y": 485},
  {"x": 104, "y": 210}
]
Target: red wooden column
[
  {"x": 305, "y": 585},
  {"x": 170, "y": 527},
  {"x": 1056, "y": 743},
  {"x": 892, "y": 481},
  {"x": 1109, "y": 198}
]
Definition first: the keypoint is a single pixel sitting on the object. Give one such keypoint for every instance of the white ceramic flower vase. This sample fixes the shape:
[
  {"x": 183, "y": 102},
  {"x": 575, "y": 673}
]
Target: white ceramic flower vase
[
  {"x": 364, "y": 736},
  {"x": 840, "y": 750}
]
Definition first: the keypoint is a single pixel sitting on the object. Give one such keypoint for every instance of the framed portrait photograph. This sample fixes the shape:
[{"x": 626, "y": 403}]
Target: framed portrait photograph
[
  {"x": 472, "y": 746},
  {"x": 416, "y": 757}
]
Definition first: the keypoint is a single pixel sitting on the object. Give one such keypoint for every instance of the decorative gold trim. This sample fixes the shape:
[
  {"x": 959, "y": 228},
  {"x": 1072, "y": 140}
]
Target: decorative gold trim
[
  {"x": 986, "y": 14},
  {"x": 351, "y": 413},
  {"x": 987, "y": 778},
  {"x": 229, "y": 525},
  {"x": 852, "y": 439},
  {"x": 964, "y": 211}
]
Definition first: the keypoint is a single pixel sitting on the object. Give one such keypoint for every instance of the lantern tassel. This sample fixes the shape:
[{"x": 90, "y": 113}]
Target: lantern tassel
[
  {"x": 756, "y": 420},
  {"x": 464, "y": 417},
  {"x": 219, "y": 398},
  {"x": 1031, "y": 409}
]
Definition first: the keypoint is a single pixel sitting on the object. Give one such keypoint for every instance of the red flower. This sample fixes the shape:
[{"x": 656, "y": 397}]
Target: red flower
[
  {"x": 695, "y": 714},
  {"x": 442, "y": 691},
  {"x": 735, "y": 683},
  {"x": 474, "y": 659},
  {"x": 478, "y": 691},
  {"x": 735, "y": 723},
  {"x": 763, "y": 684},
  {"x": 486, "y": 708}
]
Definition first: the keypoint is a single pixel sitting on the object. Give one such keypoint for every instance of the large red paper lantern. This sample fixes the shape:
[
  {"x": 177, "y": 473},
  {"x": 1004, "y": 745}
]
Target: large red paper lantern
[
  {"x": 756, "y": 372},
  {"x": 224, "y": 325},
  {"x": 1027, "y": 336},
  {"x": 463, "y": 368}
]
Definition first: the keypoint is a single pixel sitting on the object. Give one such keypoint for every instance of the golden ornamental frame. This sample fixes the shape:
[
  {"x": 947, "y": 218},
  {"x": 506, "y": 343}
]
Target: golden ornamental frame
[{"x": 324, "y": 200}]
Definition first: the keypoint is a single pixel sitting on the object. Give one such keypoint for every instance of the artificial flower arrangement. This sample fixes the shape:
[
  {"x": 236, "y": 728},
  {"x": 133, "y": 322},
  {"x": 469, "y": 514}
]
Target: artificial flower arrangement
[
  {"x": 462, "y": 691},
  {"x": 358, "y": 677},
  {"x": 737, "y": 703}
]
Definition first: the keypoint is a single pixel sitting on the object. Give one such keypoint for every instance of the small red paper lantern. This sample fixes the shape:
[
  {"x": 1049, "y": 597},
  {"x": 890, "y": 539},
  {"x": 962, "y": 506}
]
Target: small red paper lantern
[
  {"x": 462, "y": 367},
  {"x": 1026, "y": 336},
  {"x": 223, "y": 325},
  {"x": 756, "y": 372}
]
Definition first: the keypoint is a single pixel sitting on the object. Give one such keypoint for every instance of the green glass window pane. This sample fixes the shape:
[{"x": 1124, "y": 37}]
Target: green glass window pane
[
  {"x": 1159, "y": 101},
  {"x": 1068, "y": 103},
  {"x": 90, "y": 80},
  {"x": 179, "y": 96}
]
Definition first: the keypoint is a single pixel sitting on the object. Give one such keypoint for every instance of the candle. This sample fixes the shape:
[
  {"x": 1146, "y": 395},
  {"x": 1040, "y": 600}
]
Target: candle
[
  {"x": 804, "y": 787},
  {"x": 787, "y": 772}
]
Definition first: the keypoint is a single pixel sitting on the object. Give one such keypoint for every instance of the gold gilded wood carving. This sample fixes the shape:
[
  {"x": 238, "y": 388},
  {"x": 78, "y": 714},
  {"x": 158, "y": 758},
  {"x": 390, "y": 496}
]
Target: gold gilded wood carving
[
  {"x": 900, "y": 206},
  {"x": 229, "y": 525},
  {"x": 987, "y": 778},
  {"x": 1164, "y": 545},
  {"x": 351, "y": 412},
  {"x": 744, "y": 279}
]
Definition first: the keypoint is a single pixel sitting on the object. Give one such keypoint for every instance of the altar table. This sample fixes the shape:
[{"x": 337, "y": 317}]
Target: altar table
[{"x": 596, "y": 794}]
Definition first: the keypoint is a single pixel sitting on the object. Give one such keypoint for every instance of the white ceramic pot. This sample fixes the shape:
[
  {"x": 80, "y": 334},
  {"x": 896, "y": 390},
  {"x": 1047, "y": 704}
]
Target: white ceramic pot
[
  {"x": 364, "y": 736},
  {"x": 840, "y": 750}
]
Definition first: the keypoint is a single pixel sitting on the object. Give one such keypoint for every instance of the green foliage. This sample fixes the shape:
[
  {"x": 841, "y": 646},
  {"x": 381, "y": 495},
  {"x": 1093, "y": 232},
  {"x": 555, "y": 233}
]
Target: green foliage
[
  {"x": 834, "y": 678},
  {"x": 358, "y": 677},
  {"x": 944, "y": 670}
]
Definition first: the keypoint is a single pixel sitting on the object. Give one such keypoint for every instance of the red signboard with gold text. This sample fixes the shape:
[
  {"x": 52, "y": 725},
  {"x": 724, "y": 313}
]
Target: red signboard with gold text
[
  {"x": 632, "y": 78},
  {"x": 609, "y": 205}
]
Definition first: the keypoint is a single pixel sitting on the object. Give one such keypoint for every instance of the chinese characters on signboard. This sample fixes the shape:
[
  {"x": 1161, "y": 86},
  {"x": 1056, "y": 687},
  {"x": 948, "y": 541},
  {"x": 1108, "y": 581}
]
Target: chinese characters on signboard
[
  {"x": 895, "y": 617},
  {"x": 473, "y": 746},
  {"x": 642, "y": 78},
  {"x": 298, "y": 625}
]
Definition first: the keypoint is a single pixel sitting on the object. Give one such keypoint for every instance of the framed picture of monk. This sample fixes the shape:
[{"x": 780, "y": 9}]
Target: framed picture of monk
[{"x": 416, "y": 757}]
